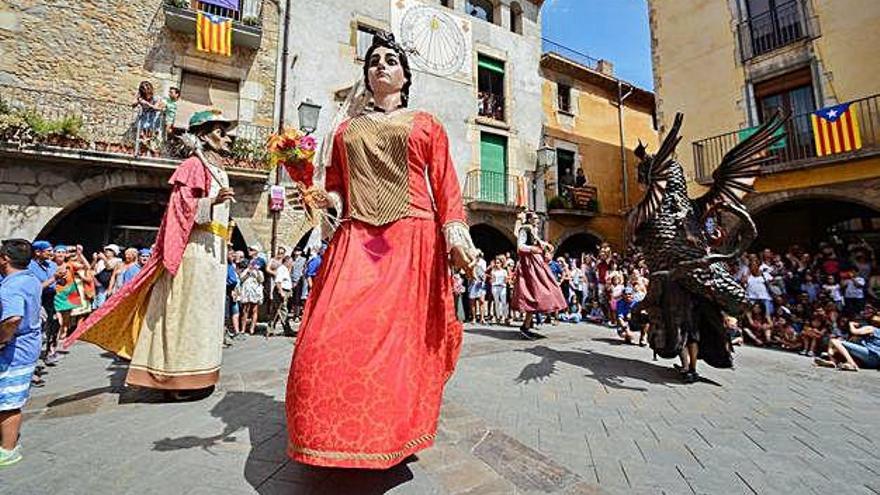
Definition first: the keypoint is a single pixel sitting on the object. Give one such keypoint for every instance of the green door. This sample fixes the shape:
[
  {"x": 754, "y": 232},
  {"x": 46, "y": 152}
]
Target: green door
[{"x": 493, "y": 168}]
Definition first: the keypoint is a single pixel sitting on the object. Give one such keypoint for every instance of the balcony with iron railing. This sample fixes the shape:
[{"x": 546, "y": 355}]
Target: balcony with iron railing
[
  {"x": 246, "y": 15},
  {"x": 573, "y": 200},
  {"x": 56, "y": 126},
  {"x": 780, "y": 26},
  {"x": 496, "y": 188},
  {"x": 798, "y": 149},
  {"x": 551, "y": 47}
]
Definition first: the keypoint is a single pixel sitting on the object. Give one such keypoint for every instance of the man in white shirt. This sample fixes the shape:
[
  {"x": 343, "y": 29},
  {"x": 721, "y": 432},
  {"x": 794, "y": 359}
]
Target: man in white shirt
[
  {"x": 283, "y": 288},
  {"x": 853, "y": 293}
]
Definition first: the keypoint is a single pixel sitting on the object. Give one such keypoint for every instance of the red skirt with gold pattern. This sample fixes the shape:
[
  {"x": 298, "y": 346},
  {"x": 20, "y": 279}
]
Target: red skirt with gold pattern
[{"x": 378, "y": 341}]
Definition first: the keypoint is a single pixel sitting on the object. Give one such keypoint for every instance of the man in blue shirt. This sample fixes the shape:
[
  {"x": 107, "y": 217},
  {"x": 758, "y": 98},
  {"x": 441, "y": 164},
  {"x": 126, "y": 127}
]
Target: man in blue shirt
[
  {"x": 20, "y": 341},
  {"x": 312, "y": 268},
  {"x": 626, "y": 313},
  {"x": 42, "y": 267}
]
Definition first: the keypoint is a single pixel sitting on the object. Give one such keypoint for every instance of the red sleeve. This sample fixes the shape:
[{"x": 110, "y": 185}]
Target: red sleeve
[
  {"x": 189, "y": 183},
  {"x": 444, "y": 181}
]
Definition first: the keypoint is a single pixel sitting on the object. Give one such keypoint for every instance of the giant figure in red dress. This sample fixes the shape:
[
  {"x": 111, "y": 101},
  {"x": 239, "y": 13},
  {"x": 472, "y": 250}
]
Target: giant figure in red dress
[{"x": 379, "y": 337}]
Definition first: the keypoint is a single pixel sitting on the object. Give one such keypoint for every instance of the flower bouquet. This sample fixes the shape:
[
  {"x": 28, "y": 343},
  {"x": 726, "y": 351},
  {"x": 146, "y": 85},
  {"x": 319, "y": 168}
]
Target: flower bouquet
[{"x": 294, "y": 150}]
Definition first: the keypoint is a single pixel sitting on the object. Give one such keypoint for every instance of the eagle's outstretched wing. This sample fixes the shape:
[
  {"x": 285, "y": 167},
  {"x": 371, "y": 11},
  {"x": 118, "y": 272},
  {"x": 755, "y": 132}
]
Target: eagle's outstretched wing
[
  {"x": 658, "y": 175},
  {"x": 735, "y": 176}
]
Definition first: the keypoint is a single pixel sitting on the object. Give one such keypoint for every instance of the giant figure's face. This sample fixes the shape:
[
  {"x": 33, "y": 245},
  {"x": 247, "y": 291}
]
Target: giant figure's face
[
  {"x": 215, "y": 138},
  {"x": 385, "y": 72}
]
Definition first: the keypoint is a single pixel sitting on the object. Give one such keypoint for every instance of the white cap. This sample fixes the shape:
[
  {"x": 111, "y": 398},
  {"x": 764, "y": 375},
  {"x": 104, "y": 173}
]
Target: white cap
[{"x": 112, "y": 247}]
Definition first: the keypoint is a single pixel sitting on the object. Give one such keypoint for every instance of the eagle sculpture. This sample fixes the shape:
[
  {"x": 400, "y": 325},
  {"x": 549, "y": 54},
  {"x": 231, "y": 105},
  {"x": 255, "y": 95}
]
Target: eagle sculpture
[{"x": 691, "y": 288}]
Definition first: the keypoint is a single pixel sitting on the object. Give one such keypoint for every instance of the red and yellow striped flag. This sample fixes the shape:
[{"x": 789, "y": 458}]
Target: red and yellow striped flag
[
  {"x": 836, "y": 129},
  {"x": 214, "y": 34}
]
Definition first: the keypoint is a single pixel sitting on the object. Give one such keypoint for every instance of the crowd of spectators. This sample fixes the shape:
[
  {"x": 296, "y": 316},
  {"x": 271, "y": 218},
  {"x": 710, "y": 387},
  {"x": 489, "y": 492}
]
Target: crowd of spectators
[
  {"x": 822, "y": 304},
  {"x": 73, "y": 284},
  {"x": 817, "y": 303}
]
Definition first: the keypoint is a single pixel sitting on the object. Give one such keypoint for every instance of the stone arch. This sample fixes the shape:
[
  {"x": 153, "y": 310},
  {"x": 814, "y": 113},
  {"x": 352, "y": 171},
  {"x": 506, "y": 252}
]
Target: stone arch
[
  {"x": 98, "y": 185},
  {"x": 575, "y": 237},
  {"x": 35, "y": 198},
  {"x": 805, "y": 216},
  {"x": 863, "y": 194},
  {"x": 492, "y": 240}
]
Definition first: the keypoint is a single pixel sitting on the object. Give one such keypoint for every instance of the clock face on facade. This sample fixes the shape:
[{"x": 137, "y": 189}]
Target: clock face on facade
[{"x": 440, "y": 42}]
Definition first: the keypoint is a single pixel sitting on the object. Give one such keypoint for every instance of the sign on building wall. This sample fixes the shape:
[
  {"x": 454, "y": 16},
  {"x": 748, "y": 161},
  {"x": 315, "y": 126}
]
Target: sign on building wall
[{"x": 442, "y": 40}]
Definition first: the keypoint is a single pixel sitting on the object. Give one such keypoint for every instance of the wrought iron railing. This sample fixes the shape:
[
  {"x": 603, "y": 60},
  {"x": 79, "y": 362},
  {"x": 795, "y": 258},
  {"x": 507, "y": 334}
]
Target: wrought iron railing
[
  {"x": 799, "y": 145},
  {"x": 581, "y": 199},
  {"x": 56, "y": 121},
  {"x": 490, "y": 105},
  {"x": 247, "y": 11},
  {"x": 548, "y": 46},
  {"x": 495, "y": 187},
  {"x": 778, "y": 27}
]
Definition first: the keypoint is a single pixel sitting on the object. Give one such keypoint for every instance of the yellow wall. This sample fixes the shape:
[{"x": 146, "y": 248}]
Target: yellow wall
[
  {"x": 848, "y": 47},
  {"x": 594, "y": 129},
  {"x": 695, "y": 71},
  {"x": 698, "y": 71}
]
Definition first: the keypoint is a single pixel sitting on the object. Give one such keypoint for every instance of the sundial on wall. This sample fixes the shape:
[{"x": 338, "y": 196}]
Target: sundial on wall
[{"x": 441, "y": 41}]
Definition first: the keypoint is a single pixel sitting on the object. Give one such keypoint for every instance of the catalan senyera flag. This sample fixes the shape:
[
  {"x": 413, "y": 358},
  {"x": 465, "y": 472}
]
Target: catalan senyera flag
[
  {"x": 214, "y": 34},
  {"x": 836, "y": 129}
]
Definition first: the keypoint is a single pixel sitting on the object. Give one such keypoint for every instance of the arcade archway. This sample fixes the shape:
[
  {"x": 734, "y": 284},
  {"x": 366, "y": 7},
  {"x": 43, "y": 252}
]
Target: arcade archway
[
  {"x": 575, "y": 245},
  {"x": 809, "y": 221},
  {"x": 128, "y": 217},
  {"x": 491, "y": 241}
]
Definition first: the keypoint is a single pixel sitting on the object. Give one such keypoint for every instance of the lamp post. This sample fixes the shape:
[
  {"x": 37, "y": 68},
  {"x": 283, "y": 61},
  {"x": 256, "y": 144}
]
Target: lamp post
[
  {"x": 308, "y": 115},
  {"x": 546, "y": 159}
]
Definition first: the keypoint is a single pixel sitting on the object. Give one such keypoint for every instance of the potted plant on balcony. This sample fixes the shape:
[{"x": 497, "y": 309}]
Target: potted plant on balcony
[
  {"x": 557, "y": 203},
  {"x": 178, "y": 4},
  {"x": 248, "y": 153}
]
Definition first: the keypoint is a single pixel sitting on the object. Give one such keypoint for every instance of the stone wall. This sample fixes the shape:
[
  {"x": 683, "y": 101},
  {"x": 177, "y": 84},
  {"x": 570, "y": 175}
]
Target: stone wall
[
  {"x": 33, "y": 199},
  {"x": 104, "y": 48}
]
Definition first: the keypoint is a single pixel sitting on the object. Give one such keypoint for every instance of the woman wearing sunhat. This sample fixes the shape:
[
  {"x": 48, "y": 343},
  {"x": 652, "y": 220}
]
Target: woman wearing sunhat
[{"x": 169, "y": 319}]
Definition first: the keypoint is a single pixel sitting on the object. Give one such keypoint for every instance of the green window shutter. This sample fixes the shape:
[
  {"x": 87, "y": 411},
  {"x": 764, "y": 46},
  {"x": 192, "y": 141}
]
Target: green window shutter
[
  {"x": 491, "y": 64},
  {"x": 493, "y": 168}
]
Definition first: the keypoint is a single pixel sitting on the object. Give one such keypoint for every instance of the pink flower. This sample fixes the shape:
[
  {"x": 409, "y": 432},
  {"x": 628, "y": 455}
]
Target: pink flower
[{"x": 308, "y": 143}]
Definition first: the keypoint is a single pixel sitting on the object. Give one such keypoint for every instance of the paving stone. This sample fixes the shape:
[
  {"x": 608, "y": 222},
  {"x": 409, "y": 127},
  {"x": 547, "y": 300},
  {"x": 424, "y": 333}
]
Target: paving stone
[{"x": 573, "y": 414}]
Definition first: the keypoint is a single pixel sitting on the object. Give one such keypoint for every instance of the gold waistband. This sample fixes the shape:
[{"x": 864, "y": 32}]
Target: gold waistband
[{"x": 216, "y": 228}]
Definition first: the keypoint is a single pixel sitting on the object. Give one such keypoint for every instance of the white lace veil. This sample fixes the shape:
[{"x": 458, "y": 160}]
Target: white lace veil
[{"x": 357, "y": 100}]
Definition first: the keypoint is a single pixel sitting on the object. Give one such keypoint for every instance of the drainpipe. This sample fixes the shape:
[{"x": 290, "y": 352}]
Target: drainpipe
[
  {"x": 620, "y": 99},
  {"x": 281, "y": 114}
]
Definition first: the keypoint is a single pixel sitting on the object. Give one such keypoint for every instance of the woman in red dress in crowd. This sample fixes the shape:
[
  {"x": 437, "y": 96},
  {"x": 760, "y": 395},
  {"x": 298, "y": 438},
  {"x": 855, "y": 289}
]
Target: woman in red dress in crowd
[
  {"x": 536, "y": 289},
  {"x": 380, "y": 338}
]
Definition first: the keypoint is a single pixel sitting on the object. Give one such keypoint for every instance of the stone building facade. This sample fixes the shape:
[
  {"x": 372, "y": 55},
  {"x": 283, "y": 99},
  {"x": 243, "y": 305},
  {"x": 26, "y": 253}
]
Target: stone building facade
[
  {"x": 727, "y": 65},
  {"x": 490, "y": 103},
  {"x": 86, "y": 59},
  {"x": 594, "y": 121}
]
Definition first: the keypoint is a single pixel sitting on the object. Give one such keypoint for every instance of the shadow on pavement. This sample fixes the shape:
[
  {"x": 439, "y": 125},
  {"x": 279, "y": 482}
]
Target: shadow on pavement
[
  {"x": 267, "y": 469},
  {"x": 610, "y": 371},
  {"x": 509, "y": 333}
]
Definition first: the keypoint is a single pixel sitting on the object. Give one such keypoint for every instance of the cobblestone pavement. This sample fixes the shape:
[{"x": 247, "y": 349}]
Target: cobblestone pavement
[{"x": 575, "y": 413}]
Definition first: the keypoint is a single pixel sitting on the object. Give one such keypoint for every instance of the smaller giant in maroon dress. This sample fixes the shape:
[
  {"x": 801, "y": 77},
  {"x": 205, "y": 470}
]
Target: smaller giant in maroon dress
[{"x": 536, "y": 290}]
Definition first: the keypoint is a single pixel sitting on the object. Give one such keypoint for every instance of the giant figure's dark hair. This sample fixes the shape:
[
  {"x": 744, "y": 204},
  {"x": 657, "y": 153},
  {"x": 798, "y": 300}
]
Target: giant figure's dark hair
[{"x": 386, "y": 39}]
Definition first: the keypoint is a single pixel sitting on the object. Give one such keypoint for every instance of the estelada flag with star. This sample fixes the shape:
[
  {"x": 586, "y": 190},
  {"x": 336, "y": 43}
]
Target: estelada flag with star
[
  {"x": 214, "y": 34},
  {"x": 836, "y": 129}
]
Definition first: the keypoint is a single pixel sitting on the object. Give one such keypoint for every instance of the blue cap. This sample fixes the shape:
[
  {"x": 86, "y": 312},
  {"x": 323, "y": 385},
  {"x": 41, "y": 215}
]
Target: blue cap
[
  {"x": 41, "y": 245},
  {"x": 60, "y": 248},
  {"x": 628, "y": 290},
  {"x": 145, "y": 252}
]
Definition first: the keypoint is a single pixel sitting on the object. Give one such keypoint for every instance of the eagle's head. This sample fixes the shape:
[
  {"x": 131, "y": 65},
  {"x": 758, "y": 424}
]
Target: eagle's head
[{"x": 646, "y": 160}]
